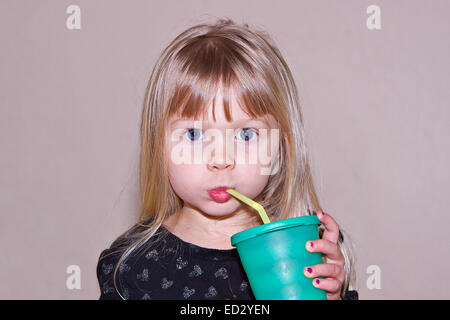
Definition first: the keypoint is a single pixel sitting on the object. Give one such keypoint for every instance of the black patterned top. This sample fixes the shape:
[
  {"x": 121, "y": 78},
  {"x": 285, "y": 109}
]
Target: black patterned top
[{"x": 172, "y": 269}]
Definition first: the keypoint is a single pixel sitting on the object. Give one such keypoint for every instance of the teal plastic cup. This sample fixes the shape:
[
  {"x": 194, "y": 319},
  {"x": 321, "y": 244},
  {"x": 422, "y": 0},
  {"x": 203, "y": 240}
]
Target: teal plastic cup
[{"x": 274, "y": 255}]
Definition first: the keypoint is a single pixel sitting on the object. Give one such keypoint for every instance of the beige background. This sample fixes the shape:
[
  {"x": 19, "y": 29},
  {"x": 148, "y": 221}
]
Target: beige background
[{"x": 377, "y": 115}]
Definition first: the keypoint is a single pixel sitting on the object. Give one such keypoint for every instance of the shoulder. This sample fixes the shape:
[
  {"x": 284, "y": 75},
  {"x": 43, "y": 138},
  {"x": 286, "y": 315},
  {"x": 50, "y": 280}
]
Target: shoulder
[
  {"x": 351, "y": 295},
  {"x": 108, "y": 275}
]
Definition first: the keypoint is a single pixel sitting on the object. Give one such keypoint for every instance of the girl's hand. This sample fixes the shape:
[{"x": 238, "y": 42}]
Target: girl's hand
[{"x": 333, "y": 270}]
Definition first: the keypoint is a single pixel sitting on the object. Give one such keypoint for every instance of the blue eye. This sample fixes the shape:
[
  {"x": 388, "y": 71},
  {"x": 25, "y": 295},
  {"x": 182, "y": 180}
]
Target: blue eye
[
  {"x": 247, "y": 135},
  {"x": 192, "y": 134}
]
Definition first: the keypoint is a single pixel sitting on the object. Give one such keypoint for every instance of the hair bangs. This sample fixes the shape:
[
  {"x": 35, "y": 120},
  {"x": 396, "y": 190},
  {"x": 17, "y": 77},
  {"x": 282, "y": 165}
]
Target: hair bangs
[{"x": 208, "y": 65}]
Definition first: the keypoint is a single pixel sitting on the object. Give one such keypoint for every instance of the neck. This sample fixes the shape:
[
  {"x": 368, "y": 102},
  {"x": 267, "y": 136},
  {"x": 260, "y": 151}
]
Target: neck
[{"x": 197, "y": 227}]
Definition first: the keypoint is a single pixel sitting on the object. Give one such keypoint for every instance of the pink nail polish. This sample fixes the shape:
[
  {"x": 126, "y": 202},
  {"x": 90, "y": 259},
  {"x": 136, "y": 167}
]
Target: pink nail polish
[
  {"x": 317, "y": 281},
  {"x": 309, "y": 270},
  {"x": 311, "y": 244}
]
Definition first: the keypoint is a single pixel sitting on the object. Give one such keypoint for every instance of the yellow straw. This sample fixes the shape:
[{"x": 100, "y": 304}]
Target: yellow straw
[{"x": 255, "y": 205}]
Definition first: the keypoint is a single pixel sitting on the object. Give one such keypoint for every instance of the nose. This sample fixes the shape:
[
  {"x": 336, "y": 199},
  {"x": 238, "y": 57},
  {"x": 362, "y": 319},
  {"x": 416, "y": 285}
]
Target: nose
[
  {"x": 219, "y": 162},
  {"x": 220, "y": 165},
  {"x": 220, "y": 150}
]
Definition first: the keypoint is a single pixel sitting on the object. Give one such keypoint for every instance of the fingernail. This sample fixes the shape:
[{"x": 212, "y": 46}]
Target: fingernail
[
  {"x": 309, "y": 270},
  {"x": 309, "y": 245},
  {"x": 317, "y": 282},
  {"x": 322, "y": 214}
]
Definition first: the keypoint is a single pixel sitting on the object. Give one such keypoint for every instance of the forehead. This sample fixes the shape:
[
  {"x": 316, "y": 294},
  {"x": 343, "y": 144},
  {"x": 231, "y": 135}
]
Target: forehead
[
  {"x": 215, "y": 115},
  {"x": 237, "y": 120}
]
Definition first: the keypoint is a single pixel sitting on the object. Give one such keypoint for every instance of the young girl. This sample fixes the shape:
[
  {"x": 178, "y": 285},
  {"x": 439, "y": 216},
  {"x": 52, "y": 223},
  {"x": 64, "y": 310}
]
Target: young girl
[{"x": 211, "y": 79}]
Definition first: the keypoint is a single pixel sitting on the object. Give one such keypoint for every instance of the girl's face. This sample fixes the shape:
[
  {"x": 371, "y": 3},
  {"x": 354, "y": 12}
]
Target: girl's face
[{"x": 204, "y": 154}]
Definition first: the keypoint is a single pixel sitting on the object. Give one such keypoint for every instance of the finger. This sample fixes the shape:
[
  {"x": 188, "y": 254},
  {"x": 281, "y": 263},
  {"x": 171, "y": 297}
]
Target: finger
[
  {"x": 326, "y": 270},
  {"x": 327, "y": 247},
  {"x": 330, "y": 285},
  {"x": 331, "y": 232}
]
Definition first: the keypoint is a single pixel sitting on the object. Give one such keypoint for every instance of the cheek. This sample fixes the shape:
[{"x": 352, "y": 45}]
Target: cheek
[
  {"x": 183, "y": 173},
  {"x": 251, "y": 181},
  {"x": 185, "y": 179}
]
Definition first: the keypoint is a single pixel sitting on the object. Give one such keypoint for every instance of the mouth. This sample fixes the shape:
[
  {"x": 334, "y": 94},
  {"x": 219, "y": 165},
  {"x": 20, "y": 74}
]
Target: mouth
[{"x": 218, "y": 194}]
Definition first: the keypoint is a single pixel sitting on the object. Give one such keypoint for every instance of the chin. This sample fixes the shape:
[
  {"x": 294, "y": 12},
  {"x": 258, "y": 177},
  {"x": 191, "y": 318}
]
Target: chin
[{"x": 218, "y": 210}]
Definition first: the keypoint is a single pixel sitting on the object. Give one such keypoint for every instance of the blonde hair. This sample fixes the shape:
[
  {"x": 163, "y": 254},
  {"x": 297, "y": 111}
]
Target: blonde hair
[{"x": 183, "y": 82}]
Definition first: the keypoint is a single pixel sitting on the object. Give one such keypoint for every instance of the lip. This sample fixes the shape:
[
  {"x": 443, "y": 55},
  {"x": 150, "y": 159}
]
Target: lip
[
  {"x": 220, "y": 188},
  {"x": 219, "y": 194}
]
